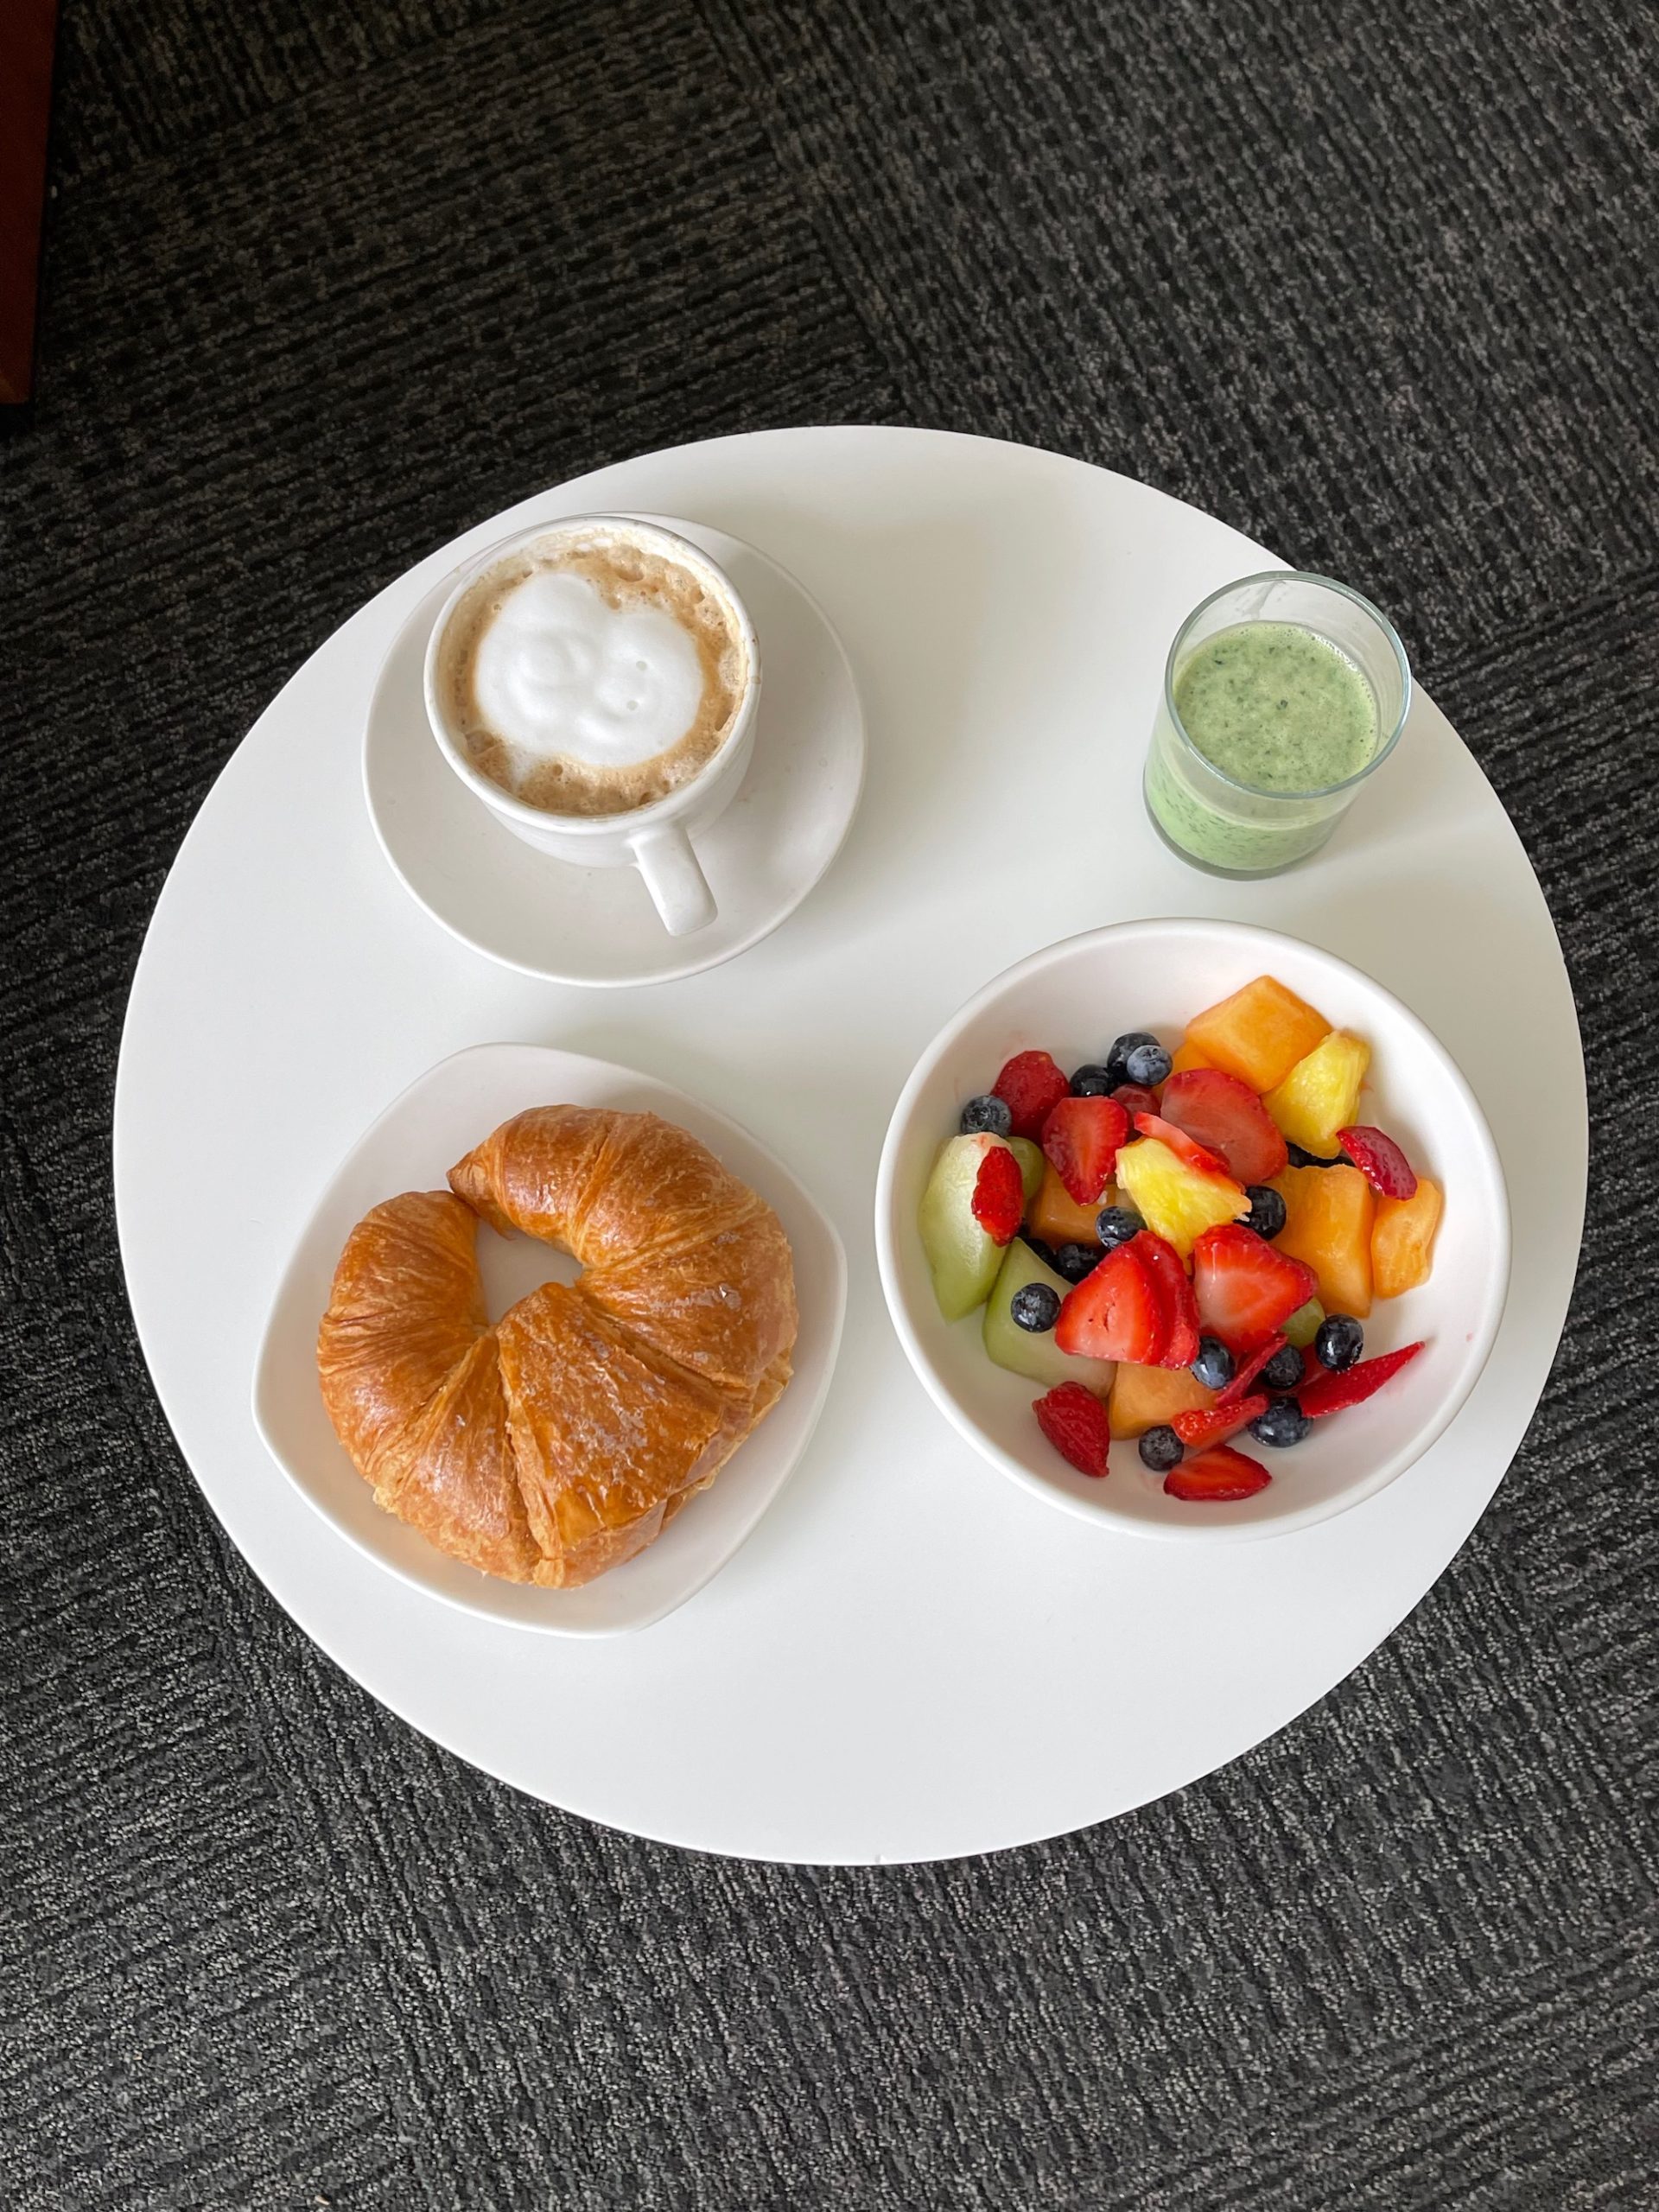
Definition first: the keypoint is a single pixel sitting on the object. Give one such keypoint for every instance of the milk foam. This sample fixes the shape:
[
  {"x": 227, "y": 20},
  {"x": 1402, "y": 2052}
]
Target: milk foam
[
  {"x": 591, "y": 673},
  {"x": 558, "y": 671}
]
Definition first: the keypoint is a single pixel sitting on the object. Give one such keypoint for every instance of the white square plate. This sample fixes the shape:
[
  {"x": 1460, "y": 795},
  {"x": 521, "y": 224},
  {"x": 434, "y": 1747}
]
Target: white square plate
[{"x": 412, "y": 1146}]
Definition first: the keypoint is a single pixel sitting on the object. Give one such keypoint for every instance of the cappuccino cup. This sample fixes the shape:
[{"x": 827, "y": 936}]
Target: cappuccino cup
[{"x": 592, "y": 681}]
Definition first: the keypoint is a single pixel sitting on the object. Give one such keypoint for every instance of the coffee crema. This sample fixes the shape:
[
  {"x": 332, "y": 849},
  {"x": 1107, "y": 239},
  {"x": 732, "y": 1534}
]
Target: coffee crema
[{"x": 591, "y": 674}]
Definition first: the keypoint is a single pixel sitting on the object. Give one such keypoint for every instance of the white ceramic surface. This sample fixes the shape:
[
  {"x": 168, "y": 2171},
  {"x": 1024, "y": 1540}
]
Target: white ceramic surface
[
  {"x": 597, "y": 925},
  {"x": 906, "y": 1659},
  {"x": 1072, "y": 998},
  {"x": 410, "y": 1147}
]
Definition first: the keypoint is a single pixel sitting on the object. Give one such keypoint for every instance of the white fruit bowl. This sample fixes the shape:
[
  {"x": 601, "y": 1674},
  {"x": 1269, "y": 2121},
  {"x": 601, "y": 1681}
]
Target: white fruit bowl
[{"x": 1072, "y": 998}]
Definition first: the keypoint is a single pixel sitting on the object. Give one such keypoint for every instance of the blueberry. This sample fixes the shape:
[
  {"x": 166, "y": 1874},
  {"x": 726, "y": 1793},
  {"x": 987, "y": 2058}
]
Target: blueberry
[
  {"x": 1162, "y": 1449},
  {"x": 1092, "y": 1082},
  {"x": 1045, "y": 1252},
  {"x": 1284, "y": 1423},
  {"x": 1283, "y": 1371},
  {"x": 1214, "y": 1366},
  {"x": 1300, "y": 1159},
  {"x": 1267, "y": 1216},
  {"x": 987, "y": 1113},
  {"x": 1147, "y": 1065},
  {"x": 1076, "y": 1260},
  {"x": 1339, "y": 1343},
  {"x": 1116, "y": 1224},
  {"x": 1117, "y": 1060},
  {"x": 1035, "y": 1306}
]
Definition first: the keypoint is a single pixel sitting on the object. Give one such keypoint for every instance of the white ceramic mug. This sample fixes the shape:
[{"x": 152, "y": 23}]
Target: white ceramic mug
[{"x": 657, "y": 839}]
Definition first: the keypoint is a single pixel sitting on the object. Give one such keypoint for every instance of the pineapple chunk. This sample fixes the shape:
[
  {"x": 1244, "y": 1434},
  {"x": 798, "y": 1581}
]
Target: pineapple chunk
[
  {"x": 1055, "y": 1216},
  {"x": 1144, "y": 1397},
  {"x": 1321, "y": 1093},
  {"x": 1177, "y": 1201},
  {"x": 1258, "y": 1034},
  {"x": 1403, "y": 1239},
  {"x": 1187, "y": 1055},
  {"x": 1329, "y": 1212}
]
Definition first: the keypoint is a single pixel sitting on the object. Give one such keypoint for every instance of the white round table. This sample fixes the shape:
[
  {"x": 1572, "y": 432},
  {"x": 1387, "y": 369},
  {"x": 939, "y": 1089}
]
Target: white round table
[{"x": 910, "y": 1659}]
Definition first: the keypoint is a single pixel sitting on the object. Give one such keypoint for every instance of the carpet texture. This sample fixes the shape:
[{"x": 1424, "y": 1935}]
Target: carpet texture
[{"x": 325, "y": 283}]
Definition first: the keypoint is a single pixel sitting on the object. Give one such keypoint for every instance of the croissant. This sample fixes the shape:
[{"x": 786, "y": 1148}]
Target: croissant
[{"x": 561, "y": 1441}]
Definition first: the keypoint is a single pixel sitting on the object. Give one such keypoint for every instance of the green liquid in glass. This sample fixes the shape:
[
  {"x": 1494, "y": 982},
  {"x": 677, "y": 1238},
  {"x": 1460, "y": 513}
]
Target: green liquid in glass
[{"x": 1278, "y": 709}]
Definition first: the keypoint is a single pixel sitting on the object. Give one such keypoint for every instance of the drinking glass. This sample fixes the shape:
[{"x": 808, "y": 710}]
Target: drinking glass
[{"x": 1214, "y": 821}]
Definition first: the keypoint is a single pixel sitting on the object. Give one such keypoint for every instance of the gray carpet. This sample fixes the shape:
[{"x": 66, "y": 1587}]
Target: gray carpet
[{"x": 325, "y": 283}]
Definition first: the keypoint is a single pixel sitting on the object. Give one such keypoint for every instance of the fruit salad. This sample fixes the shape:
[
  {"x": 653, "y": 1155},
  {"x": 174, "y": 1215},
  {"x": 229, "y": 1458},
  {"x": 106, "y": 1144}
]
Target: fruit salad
[{"x": 1182, "y": 1244}]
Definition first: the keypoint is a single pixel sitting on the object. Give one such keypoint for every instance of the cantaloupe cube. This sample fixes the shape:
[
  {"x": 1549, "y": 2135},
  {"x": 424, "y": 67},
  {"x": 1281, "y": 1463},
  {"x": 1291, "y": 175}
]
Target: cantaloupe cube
[
  {"x": 1321, "y": 1093},
  {"x": 1258, "y": 1034},
  {"x": 1144, "y": 1396},
  {"x": 1055, "y": 1216},
  {"x": 1403, "y": 1239},
  {"x": 1186, "y": 1056},
  {"x": 1329, "y": 1212}
]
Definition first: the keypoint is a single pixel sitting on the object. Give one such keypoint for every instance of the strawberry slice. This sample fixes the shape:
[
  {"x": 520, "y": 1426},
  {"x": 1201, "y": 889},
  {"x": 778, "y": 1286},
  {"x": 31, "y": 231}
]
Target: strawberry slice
[
  {"x": 1117, "y": 1312},
  {"x": 1227, "y": 1117},
  {"x": 1380, "y": 1160},
  {"x": 1215, "y": 1476},
  {"x": 1075, "y": 1423},
  {"x": 1246, "y": 1288},
  {"x": 1206, "y": 1424},
  {"x": 1334, "y": 1394},
  {"x": 999, "y": 1199},
  {"x": 1136, "y": 1098},
  {"x": 1175, "y": 1296},
  {"x": 1080, "y": 1141},
  {"x": 1194, "y": 1155},
  {"x": 1031, "y": 1085},
  {"x": 1252, "y": 1367}
]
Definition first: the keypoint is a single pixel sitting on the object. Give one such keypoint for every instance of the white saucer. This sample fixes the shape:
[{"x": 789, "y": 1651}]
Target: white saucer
[{"x": 597, "y": 925}]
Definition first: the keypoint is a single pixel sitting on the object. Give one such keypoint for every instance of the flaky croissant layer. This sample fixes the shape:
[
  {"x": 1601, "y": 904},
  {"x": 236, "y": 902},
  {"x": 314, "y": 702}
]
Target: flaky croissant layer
[{"x": 562, "y": 1440}]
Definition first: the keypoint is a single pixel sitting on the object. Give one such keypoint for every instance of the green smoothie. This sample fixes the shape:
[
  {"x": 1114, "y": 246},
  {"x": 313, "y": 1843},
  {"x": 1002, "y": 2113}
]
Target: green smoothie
[
  {"x": 1280, "y": 711},
  {"x": 1277, "y": 708}
]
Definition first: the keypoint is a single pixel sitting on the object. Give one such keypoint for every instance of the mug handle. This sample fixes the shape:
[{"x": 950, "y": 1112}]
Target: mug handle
[{"x": 679, "y": 890}]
